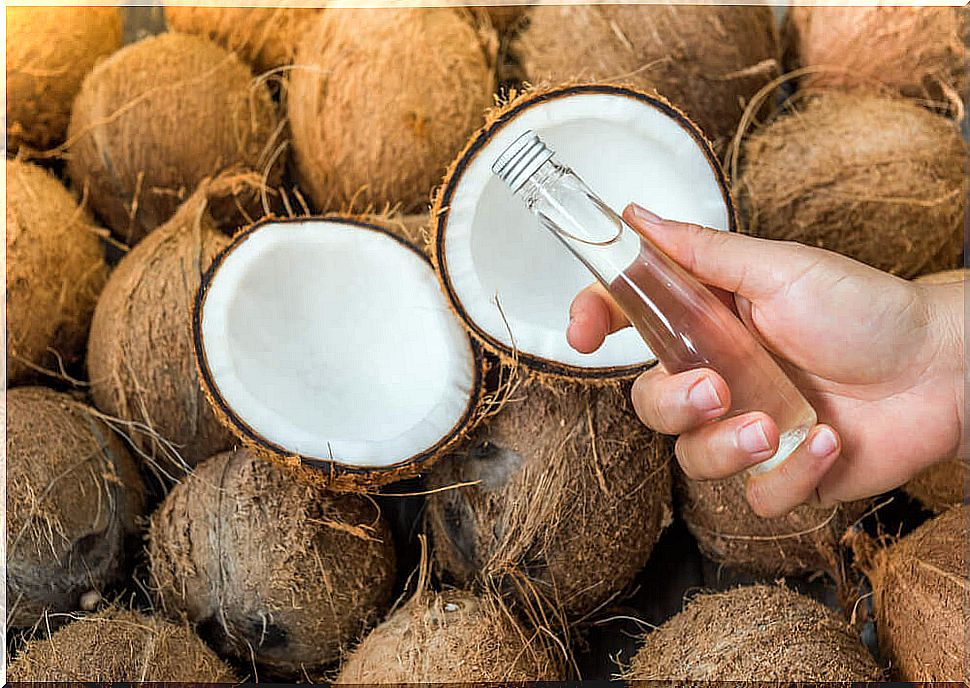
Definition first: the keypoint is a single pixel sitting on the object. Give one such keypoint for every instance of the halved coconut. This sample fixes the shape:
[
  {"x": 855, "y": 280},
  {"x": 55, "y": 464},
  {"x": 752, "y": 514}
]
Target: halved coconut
[
  {"x": 329, "y": 340},
  {"x": 511, "y": 281}
]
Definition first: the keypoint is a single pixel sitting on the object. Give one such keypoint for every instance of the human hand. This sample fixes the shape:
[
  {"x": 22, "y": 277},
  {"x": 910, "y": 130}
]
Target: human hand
[{"x": 879, "y": 358}]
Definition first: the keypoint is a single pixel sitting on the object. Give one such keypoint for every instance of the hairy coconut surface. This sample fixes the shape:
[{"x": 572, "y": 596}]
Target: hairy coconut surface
[
  {"x": 916, "y": 51},
  {"x": 561, "y": 495},
  {"x": 754, "y": 633},
  {"x": 729, "y": 532},
  {"x": 157, "y": 118},
  {"x": 49, "y": 51},
  {"x": 73, "y": 496},
  {"x": 381, "y": 102},
  {"x": 878, "y": 179},
  {"x": 265, "y": 37},
  {"x": 120, "y": 645},
  {"x": 141, "y": 359},
  {"x": 450, "y": 637},
  {"x": 272, "y": 569},
  {"x": 55, "y": 270},
  {"x": 708, "y": 61}
]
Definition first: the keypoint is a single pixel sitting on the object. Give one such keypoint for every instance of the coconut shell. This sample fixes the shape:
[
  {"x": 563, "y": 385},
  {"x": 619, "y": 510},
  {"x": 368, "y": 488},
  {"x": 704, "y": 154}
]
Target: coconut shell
[
  {"x": 73, "y": 497},
  {"x": 568, "y": 491},
  {"x": 272, "y": 569},
  {"x": 265, "y": 37},
  {"x": 921, "y": 598},
  {"x": 450, "y": 637},
  {"x": 915, "y": 51},
  {"x": 754, "y": 633},
  {"x": 55, "y": 271},
  {"x": 49, "y": 51},
  {"x": 141, "y": 358},
  {"x": 119, "y": 645},
  {"x": 708, "y": 61},
  {"x": 157, "y": 118},
  {"x": 382, "y": 101},
  {"x": 878, "y": 179}
]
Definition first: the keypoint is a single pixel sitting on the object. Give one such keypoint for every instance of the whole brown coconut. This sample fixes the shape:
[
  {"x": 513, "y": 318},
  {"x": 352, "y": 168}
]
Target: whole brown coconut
[
  {"x": 754, "y": 633},
  {"x": 878, "y": 179},
  {"x": 119, "y": 645},
  {"x": 73, "y": 497},
  {"x": 55, "y": 271},
  {"x": 381, "y": 102},
  {"x": 451, "y": 637},
  {"x": 729, "y": 532},
  {"x": 915, "y": 51},
  {"x": 921, "y": 598},
  {"x": 272, "y": 569},
  {"x": 265, "y": 37},
  {"x": 141, "y": 360},
  {"x": 568, "y": 495},
  {"x": 49, "y": 51},
  {"x": 157, "y": 118},
  {"x": 709, "y": 61}
]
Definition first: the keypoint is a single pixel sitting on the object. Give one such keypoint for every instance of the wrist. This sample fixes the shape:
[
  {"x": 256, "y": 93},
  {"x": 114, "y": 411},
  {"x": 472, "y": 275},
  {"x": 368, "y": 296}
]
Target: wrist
[{"x": 946, "y": 306}]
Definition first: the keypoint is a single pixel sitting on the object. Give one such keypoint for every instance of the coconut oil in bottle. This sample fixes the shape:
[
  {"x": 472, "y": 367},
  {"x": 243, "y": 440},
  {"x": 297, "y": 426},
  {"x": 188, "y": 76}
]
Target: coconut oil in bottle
[{"x": 682, "y": 322}]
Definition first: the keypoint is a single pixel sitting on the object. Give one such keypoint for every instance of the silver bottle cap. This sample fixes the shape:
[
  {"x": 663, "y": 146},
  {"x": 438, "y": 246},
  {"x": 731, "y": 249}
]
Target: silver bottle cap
[{"x": 521, "y": 159}]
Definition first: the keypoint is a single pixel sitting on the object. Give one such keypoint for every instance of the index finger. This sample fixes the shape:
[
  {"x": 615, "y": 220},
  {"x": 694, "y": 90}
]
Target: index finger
[{"x": 592, "y": 316}]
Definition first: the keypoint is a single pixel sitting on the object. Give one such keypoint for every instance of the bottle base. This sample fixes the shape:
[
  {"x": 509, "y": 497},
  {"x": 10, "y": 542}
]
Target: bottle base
[{"x": 787, "y": 443}]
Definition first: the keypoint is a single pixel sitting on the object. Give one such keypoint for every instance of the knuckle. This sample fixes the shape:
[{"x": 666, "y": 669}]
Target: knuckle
[{"x": 761, "y": 499}]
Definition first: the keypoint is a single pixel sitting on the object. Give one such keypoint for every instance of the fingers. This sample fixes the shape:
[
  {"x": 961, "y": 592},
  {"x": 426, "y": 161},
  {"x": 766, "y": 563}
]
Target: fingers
[
  {"x": 719, "y": 450},
  {"x": 673, "y": 404},
  {"x": 592, "y": 316}
]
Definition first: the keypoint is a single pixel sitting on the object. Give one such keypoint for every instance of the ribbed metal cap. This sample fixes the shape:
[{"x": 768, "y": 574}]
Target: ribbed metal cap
[{"x": 521, "y": 159}]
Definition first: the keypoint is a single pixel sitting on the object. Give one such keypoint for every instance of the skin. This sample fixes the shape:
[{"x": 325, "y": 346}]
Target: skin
[{"x": 880, "y": 359}]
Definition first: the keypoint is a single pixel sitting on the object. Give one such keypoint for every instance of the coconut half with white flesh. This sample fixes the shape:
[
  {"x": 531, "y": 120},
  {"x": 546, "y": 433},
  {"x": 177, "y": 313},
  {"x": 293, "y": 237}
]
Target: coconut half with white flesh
[
  {"x": 510, "y": 280},
  {"x": 327, "y": 342}
]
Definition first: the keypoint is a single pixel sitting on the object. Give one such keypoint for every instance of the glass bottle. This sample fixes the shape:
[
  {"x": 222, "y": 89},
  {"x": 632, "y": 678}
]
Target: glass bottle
[{"x": 682, "y": 322}]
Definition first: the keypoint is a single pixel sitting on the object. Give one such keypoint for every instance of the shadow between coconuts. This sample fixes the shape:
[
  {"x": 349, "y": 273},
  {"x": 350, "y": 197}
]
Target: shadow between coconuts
[
  {"x": 330, "y": 473},
  {"x": 496, "y": 120}
]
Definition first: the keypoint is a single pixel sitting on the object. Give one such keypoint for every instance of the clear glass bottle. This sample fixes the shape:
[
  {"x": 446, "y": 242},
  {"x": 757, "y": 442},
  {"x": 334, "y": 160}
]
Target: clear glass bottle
[{"x": 682, "y": 322}]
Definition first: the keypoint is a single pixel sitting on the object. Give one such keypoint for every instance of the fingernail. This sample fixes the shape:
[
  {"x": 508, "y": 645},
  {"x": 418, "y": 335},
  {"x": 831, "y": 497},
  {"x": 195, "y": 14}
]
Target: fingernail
[
  {"x": 753, "y": 439},
  {"x": 823, "y": 443},
  {"x": 644, "y": 214},
  {"x": 703, "y": 395}
]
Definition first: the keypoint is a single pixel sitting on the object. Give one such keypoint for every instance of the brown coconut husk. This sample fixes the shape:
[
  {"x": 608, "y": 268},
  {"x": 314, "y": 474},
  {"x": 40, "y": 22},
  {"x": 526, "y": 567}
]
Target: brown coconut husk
[
  {"x": 273, "y": 570},
  {"x": 55, "y": 270},
  {"x": 921, "y": 597},
  {"x": 265, "y": 37},
  {"x": 918, "y": 52},
  {"x": 157, "y": 118},
  {"x": 450, "y": 637},
  {"x": 120, "y": 645},
  {"x": 379, "y": 101},
  {"x": 754, "y": 633},
  {"x": 709, "y": 61},
  {"x": 141, "y": 358},
  {"x": 49, "y": 52},
  {"x": 559, "y": 497},
  {"x": 878, "y": 179},
  {"x": 73, "y": 497}
]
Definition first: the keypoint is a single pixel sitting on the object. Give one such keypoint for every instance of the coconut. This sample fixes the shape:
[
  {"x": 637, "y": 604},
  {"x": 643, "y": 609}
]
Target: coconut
[
  {"x": 503, "y": 16},
  {"x": 754, "y": 633},
  {"x": 916, "y": 51},
  {"x": 510, "y": 280},
  {"x": 326, "y": 343},
  {"x": 157, "y": 118},
  {"x": 449, "y": 637},
  {"x": 921, "y": 598},
  {"x": 265, "y": 37},
  {"x": 119, "y": 645},
  {"x": 140, "y": 359},
  {"x": 878, "y": 179},
  {"x": 49, "y": 51},
  {"x": 562, "y": 495},
  {"x": 729, "y": 532},
  {"x": 55, "y": 270},
  {"x": 272, "y": 569},
  {"x": 382, "y": 100},
  {"x": 74, "y": 494},
  {"x": 709, "y": 61}
]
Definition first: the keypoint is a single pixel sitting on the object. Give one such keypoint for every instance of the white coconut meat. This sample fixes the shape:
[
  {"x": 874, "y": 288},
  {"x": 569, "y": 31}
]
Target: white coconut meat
[
  {"x": 331, "y": 340},
  {"x": 510, "y": 279}
]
